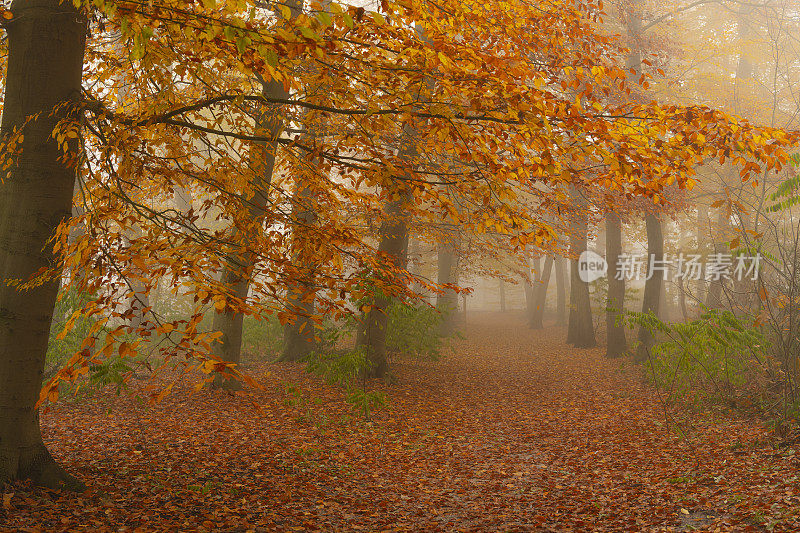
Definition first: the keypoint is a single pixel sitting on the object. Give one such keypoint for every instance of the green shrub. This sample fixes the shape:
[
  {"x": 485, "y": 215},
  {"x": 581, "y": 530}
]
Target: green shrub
[
  {"x": 414, "y": 330},
  {"x": 338, "y": 367},
  {"x": 347, "y": 368},
  {"x": 59, "y": 350},
  {"x": 718, "y": 357}
]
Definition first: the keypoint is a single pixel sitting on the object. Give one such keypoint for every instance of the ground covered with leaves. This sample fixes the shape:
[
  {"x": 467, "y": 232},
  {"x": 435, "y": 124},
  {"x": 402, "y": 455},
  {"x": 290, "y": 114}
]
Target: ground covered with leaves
[{"x": 512, "y": 431}]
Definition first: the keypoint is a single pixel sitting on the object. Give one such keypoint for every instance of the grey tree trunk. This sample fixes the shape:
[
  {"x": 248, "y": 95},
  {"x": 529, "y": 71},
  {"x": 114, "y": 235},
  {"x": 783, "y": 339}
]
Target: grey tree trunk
[
  {"x": 46, "y": 40},
  {"x": 530, "y": 299},
  {"x": 665, "y": 302},
  {"x": 561, "y": 291},
  {"x": 371, "y": 334},
  {"x": 616, "y": 344},
  {"x": 540, "y": 293},
  {"x": 415, "y": 266},
  {"x": 298, "y": 336},
  {"x": 138, "y": 299},
  {"x": 655, "y": 234},
  {"x": 530, "y": 290},
  {"x": 236, "y": 272},
  {"x": 580, "y": 330},
  {"x": 714, "y": 296},
  {"x": 447, "y": 302},
  {"x": 652, "y": 287},
  {"x": 229, "y": 323},
  {"x": 502, "y": 296},
  {"x": 682, "y": 299},
  {"x": 703, "y": 223}
]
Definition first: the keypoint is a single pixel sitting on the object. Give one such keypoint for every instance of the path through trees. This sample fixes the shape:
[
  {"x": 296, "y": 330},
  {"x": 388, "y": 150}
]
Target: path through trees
[{"x": 513, "y": 431}]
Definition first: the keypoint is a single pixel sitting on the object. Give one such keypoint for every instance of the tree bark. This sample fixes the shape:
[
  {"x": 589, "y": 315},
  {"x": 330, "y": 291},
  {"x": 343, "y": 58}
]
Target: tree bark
[
  {"x": 561, "y": 291},
  {"x": 682, "y": 299},
  {"x": 299, "y": 335},
  {"x": 236, "y": 271},
  {"x": 138, "y": 297},
  {"x": 655, "y": 236},
  {"x": 540, "y": 294},
  {"x": 714, "y": 296},
  {"x": 616, "y": 343},
  {"x": 530, "y": 299},
  {"x": 530, "y": 290},
  {"x": 371, "y": 335},
  {"x": 580, "y": 330},
  {"x": 447, "y": 302},
  {"x": 46, "y": 40},
  {"x": 703, "y": 228},
  {"x": 665, "y": 302},
  {"x": 652, "y": 287}
]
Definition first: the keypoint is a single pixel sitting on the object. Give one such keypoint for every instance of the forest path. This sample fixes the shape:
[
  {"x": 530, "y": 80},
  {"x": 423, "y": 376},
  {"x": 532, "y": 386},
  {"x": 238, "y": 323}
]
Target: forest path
[{"x": 513, "y": 431}]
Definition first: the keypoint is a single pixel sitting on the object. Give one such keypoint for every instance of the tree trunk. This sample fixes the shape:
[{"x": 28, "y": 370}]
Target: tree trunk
[
  {"x": 530, "y": 302},
  {"x": 299, "y": 335},
  {"x": 540, "y": 293},
  {"x": 502, "y": 296},
  {"x": 714, "y": 297},
  {"x": 665, "y": 303},
  {"x": 236, "y": 272},
  {"x": 580, "y": 330},
  {"x": 652, "y": 287},
  {"x": 561, "y": 291},
  {"x": 530, "y": 290},
  {"x": 46, "y": 40},
  {"x": 268, "y": 124},
  {"x": 703, "y": 229},
  {"x": 616, "y": 344},
  {"x": 415, "y": 267},
  {"x": 137, "y": 294},
  {"x": 682, "y": 299},
  {"x": 371, "y": 335},
  {"x": 229, "y": 323},
  {"x": 447, "y": 302}
]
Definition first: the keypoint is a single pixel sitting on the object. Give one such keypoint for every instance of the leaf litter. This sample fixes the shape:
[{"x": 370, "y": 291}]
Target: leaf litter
[{"x": 513, "y": 431}]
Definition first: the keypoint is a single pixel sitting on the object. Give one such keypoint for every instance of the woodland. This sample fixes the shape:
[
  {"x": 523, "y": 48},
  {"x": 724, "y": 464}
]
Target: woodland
[{"x": 407, "y": 265}]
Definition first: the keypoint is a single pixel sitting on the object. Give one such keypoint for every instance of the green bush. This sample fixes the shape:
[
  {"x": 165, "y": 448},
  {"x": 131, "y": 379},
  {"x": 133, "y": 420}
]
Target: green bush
[
  {"x": 414, "y": 330},
  {"x": 346, "y": 368},
  {"x": 718, "y": 357},
  {"x": 59, "y": 350}
]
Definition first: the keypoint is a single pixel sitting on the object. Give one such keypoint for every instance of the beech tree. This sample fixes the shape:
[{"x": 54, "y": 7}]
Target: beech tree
[
  {"x": 447, "y": 274},
  {"x": 46, "y": 41},
  {"x": 616, "y": 343},
  {"x": 540, "y": 293},
  {"x": 580, "y": 328},
  {"x": 561, "y": 291}
]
